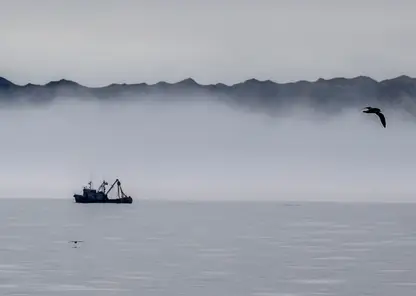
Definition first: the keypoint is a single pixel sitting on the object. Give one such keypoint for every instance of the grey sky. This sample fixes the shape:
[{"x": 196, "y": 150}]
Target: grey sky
[
  {"x": 204, "y": 151},
  {"x": 100, "y": 42}
]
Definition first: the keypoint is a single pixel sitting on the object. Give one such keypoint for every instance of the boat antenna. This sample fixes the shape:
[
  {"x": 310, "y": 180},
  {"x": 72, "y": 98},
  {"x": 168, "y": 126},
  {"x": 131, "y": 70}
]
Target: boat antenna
[{"x": 91, "y": 178}]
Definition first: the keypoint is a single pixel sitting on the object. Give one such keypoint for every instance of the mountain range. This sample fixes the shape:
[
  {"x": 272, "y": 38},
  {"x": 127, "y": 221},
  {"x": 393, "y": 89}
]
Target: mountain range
[{"x": 323, "y": 94}]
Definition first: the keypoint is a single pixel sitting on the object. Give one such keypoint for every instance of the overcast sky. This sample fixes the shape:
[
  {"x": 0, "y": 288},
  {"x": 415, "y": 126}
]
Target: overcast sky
[
  {"x": 183, "y": 151},
  {"x": 99, "y": 42}
]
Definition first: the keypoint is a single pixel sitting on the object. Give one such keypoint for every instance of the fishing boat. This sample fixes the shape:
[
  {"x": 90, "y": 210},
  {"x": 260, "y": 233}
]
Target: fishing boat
[{"x": 100, "y": 195}]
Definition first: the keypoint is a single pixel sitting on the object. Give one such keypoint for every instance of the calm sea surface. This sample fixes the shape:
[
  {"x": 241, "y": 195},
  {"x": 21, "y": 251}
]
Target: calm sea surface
[{"x": 215, "y": 249}]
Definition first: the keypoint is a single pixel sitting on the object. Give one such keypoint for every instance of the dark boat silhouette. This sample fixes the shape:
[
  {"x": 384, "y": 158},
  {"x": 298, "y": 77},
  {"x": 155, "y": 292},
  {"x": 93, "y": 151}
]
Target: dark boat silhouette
[{"x": 91, "y": 195}]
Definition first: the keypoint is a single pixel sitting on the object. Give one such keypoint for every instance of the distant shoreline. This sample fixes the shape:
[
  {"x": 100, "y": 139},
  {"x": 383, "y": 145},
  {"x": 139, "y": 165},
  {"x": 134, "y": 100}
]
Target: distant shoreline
[
  {"x": 331, "y": 95},
  {"x": 4, "y": 81}
]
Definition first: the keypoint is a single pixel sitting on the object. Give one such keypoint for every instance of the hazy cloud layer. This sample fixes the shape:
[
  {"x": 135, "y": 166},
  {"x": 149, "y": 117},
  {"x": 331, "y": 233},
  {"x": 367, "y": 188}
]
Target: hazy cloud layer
[
  {"x": 206, "y": 151},
  {"x": 96, "y": 42}
]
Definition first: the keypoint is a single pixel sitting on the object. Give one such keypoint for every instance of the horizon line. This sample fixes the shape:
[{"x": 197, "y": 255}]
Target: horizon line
[{"x": 284, "y": 202}]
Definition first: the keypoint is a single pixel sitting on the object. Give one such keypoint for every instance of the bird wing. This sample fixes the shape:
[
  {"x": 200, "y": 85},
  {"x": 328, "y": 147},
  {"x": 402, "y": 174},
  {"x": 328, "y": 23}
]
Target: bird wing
[{"x": 382, "y": 118}]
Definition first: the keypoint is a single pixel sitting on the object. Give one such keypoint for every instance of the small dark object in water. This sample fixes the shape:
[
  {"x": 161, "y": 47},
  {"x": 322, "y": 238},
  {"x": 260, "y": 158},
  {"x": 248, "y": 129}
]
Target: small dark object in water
[
  {"x": 75, "y": 242},
  {"x": 376, "y": 111}
]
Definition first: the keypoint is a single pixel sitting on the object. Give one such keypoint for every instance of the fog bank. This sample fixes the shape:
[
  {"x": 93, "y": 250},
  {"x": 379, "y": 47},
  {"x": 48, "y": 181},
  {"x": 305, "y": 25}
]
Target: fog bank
[{"x": 205, "y": 151}]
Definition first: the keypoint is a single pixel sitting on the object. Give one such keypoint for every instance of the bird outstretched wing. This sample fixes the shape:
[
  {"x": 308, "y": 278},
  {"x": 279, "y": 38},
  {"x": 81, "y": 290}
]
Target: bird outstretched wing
[{"x": 382, "y": 118}]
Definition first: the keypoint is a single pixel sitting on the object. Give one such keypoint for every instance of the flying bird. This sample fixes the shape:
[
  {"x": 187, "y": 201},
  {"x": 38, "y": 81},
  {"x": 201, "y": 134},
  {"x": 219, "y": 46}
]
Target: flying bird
[{"x": 376, "y": 111}]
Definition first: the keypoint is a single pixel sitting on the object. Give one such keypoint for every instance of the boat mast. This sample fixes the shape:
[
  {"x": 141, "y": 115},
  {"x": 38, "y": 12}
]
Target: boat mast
[
  {"x": 102, "y": 186},
  {"x": 119, "y": 189}
]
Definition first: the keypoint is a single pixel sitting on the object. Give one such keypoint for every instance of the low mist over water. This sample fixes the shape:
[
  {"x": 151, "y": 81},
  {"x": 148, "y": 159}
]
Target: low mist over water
[{"x": 205, "y": 150}]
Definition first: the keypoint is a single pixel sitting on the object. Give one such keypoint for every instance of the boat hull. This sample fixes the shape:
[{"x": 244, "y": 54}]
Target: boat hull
[{"x": 82, "y": 199}]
